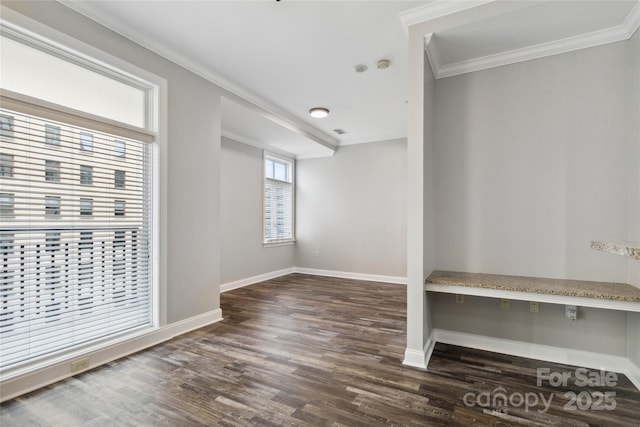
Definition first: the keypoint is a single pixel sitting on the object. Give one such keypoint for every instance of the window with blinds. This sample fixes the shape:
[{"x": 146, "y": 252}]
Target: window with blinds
[
  {"x": 278, "y": 200},
  {"x": 77, "y": 199},
  {"x": 75, "y": 241}
]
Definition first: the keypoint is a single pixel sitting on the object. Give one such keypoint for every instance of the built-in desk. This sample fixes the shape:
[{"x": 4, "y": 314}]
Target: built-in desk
[{"x": 615, "y": 296}]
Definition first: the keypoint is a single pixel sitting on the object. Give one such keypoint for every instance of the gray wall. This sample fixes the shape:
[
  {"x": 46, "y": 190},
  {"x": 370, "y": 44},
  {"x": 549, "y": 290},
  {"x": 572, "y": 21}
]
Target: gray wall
[
  {"x": 351, "y": 209},
  {"x": 241, "y": 210},
  {"x": 596, "y": 330},
  {"x": 191, "y": 181},
  {"x": 429, "y": 241},
  {"x": 531, "y": 164},
  {"x": 633, "y": 320},
  {"x": 633, "y": 338}
]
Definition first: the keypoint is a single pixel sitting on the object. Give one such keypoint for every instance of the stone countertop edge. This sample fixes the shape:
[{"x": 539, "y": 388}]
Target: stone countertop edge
[
  {"x": 566, "y": 287},
  {"x": 626, "y": 249}
]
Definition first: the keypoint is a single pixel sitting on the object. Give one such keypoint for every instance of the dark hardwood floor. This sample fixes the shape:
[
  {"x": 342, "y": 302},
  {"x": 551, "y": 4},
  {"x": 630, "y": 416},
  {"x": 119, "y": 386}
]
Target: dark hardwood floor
[{"x": 314, "y": 351}]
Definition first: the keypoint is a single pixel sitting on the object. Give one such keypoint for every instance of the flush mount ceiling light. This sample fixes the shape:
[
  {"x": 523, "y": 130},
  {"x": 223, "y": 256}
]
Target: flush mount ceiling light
[{"x": 318, "y": 112}]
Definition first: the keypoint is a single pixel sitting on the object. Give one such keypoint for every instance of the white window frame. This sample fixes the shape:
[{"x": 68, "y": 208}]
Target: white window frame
[
  {"x": 6, "y": 165},
  {"x": 52, "y": 134},
  {"x": 86, "y": 207},
  {"x": 52, "y": 170},
  {"x": 6, "y": 126},
  {"x": 119, "y": 207},
  {"x": 291, "y": 180},
  {"x": 7, "y": 205},
  {"x": 119, "y": 179},
  {"x": 119, "y": 149},
  {"x": 53, "y": 41},
  {"x": 52, "y": 207},
  {"x": 86, "y": 142},
  {"x": 86, "y": 174}
]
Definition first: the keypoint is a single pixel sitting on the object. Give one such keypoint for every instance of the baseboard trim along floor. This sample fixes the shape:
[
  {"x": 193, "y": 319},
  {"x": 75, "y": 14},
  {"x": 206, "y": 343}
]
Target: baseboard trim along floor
[
  {"x": 540, "y": 352},
  {"x": 24, "y": 381},
  {"x": 312, "y": 271}
]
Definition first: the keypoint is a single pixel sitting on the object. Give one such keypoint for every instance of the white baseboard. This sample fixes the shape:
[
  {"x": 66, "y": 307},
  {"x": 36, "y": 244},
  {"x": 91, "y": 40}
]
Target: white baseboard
[
  {"x": 256, "y": 279},
  {"x": 60, "y": 368},
  {"x": 419, "y": 358},
  {"x": 428, "y": 350},
  {"x": 633, "y": 373},
  {"x": 414, "y": 358},
  {"x": 349, "y": 275},
  {"x": 586, "y": 359},
  {"x": 313, "y": 271}
]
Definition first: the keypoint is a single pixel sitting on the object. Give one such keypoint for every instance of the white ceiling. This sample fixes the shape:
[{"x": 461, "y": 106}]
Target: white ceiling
[
  {"x": 279, "y": 59},
  {"x": 243, "y": 124},
  {"x": 295, "y": 54}
]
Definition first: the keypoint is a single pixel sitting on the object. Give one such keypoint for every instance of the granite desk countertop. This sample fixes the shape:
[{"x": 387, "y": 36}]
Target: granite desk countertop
[
  {"x": 576, "y": 288},
  {"x": 627, "y": 249}
]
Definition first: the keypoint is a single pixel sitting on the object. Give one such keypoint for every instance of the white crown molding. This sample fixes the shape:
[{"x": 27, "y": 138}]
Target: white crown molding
[
  {"x": 358, "y": 141},
  {"x": 315, "y": 156},
  {"x": 632, "y": 22},
  {"x": 597, "y": 38},
  {"x": 437, "y": 9},
  {"x": 262, "y": 106},
  {"x": 432, "y": 54},
  {"x": 263, "y": 146},
  {"x": 248, "y": 141}
]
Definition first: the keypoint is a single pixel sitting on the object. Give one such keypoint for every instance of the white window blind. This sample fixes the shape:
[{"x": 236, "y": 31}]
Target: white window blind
[
  {"x": 278, "y": 200},
  {"x": 71, "y": 272}
]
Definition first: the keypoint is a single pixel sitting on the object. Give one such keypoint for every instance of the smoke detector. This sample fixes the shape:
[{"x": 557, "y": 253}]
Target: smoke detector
[{"x": 383, "y": 63}]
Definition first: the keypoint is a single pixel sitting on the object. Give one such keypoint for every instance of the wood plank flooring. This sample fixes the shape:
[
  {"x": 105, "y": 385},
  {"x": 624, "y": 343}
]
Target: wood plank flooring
[{"x": 313, "y": 351}]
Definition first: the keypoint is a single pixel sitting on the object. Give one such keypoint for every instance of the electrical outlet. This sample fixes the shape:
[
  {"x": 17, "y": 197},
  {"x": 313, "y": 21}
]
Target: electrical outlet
[
  {"x": 80, "y": 364},
  {"x": 317, "y": 254},
  {"x": 504, "y": 304},
  {"x": 571, "y": 311},
  {"x": 460, "y": 298},
  {"x": 534, "y": 306}
]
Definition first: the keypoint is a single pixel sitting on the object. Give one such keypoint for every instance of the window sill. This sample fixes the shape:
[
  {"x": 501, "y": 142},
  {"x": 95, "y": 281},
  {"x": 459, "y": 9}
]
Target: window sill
[
  {"x": 278, "y": 243},
  {"x": 64, "y": 356}
]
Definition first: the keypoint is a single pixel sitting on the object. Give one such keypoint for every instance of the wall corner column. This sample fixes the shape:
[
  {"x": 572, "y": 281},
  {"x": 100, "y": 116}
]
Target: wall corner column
[{"x": 420, "y": 194}]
